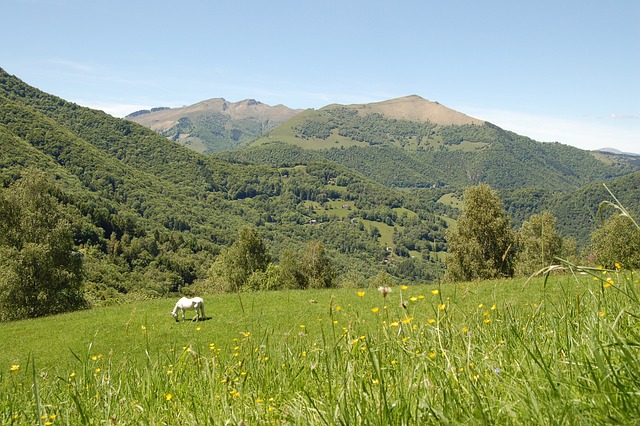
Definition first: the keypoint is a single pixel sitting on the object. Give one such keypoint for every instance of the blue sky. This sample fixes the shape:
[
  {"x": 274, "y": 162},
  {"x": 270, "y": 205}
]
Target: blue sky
[{"x": 562, "y": 70}]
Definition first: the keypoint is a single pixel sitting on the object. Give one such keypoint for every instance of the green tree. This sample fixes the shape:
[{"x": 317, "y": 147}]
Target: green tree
[
  {"x": 538, "y": 243},
  {"x": 481, "y": 245},
  {"x": 40, "y": 272},
  {"x": 246, "y": 256},
  {"x": 291, "y": 276},
  {"x": 316, "y": 266},
  {"x": 617, "y": 241}
]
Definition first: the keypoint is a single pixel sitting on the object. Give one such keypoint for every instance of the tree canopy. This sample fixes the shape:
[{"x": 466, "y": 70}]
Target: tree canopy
[
  {"x": 481, "y": 246},
  {"x": 40, "y": 272}
]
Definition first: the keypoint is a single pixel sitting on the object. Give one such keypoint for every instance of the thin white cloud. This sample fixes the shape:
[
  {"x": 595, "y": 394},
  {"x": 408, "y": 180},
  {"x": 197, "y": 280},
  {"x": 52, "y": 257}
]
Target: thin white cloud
[
  {"x": 73, "y": 65},
  {"x": 624, "y": 117}
]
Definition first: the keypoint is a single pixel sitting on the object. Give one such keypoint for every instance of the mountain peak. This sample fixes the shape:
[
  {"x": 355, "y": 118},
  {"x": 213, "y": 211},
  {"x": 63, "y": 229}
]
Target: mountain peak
[{"x": 416, "y": 108}]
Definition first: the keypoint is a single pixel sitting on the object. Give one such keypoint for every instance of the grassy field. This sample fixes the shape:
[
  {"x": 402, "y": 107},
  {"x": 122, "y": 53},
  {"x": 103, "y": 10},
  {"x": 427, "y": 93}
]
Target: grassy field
[{"x": 562, "y": 351}]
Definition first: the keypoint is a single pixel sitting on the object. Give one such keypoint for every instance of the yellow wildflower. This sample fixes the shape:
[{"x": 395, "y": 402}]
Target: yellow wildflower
[{"x": 435, "y": 292}]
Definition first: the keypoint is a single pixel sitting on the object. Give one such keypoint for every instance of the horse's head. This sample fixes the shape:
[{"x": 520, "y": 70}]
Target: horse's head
[{"x": 174, "y": 315}]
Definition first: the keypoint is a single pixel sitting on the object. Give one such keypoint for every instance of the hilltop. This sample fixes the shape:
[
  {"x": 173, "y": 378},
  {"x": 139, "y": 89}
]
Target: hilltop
[
  {"x": 214, "y": 124},
  {"x": 414, "y": 108}
]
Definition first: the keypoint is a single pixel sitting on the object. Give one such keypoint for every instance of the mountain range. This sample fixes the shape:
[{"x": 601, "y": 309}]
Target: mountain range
[{"x": 377, "y": 184}]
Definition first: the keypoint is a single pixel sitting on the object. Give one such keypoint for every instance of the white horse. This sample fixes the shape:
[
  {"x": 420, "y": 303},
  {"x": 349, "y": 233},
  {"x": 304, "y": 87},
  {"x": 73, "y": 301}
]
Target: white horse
[{"x": 186, "y": 304}]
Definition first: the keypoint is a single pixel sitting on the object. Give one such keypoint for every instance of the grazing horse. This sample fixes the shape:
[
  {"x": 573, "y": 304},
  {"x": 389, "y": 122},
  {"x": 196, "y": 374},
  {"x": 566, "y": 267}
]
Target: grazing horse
[{"x": 186, "y": 304}]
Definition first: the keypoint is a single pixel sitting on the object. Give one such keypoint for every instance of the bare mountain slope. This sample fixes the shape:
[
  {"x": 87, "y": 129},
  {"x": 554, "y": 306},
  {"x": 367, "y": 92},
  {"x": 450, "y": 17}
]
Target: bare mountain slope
[
  {"x": 416, "y": 108},
  {"x": 214, "y": 124}
]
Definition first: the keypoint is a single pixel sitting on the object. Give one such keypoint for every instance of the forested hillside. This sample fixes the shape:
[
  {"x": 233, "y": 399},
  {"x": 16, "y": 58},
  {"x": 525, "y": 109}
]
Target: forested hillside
[
  {"x": 150, "y": 216},
  {"x": 531, "y": 176},
  {"x": 577, "y": 211},
  {"x": 410, "y": 154}
]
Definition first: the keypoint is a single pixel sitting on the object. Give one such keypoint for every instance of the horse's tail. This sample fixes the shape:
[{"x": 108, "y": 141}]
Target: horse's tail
[{"x": 202, "y": 309}]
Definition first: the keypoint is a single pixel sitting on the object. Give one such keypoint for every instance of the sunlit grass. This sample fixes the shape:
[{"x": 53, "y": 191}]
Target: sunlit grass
[{"x": 562, "y": 350}]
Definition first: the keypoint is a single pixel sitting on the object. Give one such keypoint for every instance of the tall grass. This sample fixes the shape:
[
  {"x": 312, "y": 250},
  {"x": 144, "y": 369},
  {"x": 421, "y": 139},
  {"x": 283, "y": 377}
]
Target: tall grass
[{"x": 560, "y": 350}]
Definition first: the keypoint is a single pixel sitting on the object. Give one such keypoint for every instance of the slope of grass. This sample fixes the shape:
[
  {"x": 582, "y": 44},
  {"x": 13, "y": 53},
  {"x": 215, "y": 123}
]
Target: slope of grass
[{"x": 558, "y": 351}]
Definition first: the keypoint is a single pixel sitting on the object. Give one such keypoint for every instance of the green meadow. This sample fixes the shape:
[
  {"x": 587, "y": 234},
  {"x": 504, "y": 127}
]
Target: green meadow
[{"x": 562, "y": 350}]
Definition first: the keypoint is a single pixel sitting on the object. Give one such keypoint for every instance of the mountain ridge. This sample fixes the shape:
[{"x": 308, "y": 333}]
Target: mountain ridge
[
  {"x": 162, "y": 118},
  {"x": 165, "y": 120},
  {"x": 214, "y": 124}
]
